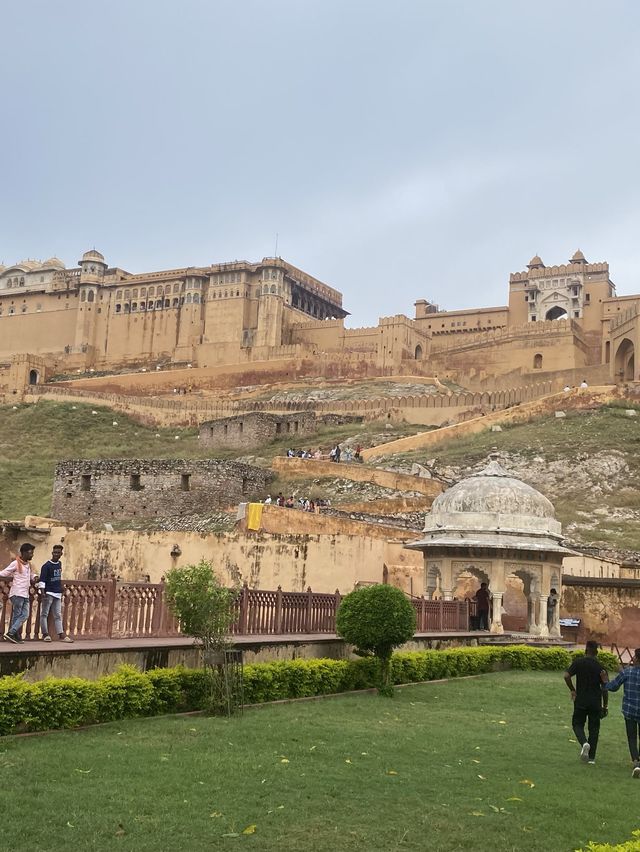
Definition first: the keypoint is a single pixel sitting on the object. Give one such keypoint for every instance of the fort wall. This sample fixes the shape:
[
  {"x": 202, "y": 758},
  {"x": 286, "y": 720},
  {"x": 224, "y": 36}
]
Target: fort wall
[
  {"x": 109, "y": 489},
  {"x": 254, "y": 429}
]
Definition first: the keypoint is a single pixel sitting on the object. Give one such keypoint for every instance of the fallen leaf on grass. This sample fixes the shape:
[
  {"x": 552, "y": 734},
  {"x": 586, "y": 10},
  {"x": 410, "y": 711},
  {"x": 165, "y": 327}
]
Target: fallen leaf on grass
[
  {"x": 514, "y": 799},
  {"x": 230, "y": 834},
  {"x": 347, "y": 760},
  {"x": 284, "y": 760},
  {"x": 476, "y": 813},
  {"x": 391, "y": 772},
  {"x": 83, "y": 771},
  {"x": 70, "y": 825},
  {"x": 312, "y": 748},
  {"x": 527, "y": 782},
  {"x": 473, "y": 760},
  {"x": 250, "y": 829},
  {"x": 215, "y": 814},
  {"x": 482, "y": 778}
]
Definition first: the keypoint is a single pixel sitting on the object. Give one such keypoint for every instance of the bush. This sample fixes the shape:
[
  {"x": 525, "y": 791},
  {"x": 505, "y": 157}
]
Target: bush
[
  {"x": 627, "y": 846},
  {"x": 376, "y": 619},
  {"x": 128, "y": 693}
]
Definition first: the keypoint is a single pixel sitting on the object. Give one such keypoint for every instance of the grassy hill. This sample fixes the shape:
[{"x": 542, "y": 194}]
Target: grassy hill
[{"x": 34, "y": 437}]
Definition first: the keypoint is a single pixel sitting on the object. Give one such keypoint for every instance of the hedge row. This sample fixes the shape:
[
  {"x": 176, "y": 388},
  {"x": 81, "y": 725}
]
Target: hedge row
[
  {"x": 128, "y": 693},
  {"x": 627, "y": 846}
]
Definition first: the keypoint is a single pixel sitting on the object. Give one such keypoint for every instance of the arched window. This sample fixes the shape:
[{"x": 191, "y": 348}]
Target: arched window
[
  {"x": 418, "y": 352},
  {"x": 167, "y": 303},
  {"x": 127, "y": 308},
  {"x": 158, "y": 303},
  {"x": 196, "y": 298},
  {"x": 151, "y": 291},
  {"x": 134, "y": 294},
  {"x": 34, "y": 377},
  {"x": 118, "y": 308},
  {"x": 175, "y": 303},
  {"x": 91, "y": 296},
  {"x": 143, "y": 305},
  {"x": 83, "y": 296},
  {"x": 537, "y": 362},
  {"x": 176, "y": 288},
  {"x": 127, "y": 294},
  {"x": 189, "y": 298},
  {"x": 273, "y": 288},
  {"x": 119, "y": 295},
  {"x": 143, "y": 292},
  {"x": 134, "y": 306}
]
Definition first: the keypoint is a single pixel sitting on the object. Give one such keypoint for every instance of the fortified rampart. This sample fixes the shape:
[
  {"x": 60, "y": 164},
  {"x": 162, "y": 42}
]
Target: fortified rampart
[{"x": 110, "y": 489}]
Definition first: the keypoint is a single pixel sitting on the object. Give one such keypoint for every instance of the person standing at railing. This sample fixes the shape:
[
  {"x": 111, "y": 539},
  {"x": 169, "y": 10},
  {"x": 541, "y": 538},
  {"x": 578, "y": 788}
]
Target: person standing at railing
[
  {"x": 482, "y": 599},
  {"x": 51, "y": 585},
  {"x": 22, "y": 576}
]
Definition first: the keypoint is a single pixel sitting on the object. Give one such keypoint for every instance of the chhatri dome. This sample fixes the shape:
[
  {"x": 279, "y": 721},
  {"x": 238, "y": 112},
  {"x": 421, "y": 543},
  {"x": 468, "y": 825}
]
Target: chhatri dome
[
  {"x": 492, "y": 508},
  {"x": 494, "y": 527}
]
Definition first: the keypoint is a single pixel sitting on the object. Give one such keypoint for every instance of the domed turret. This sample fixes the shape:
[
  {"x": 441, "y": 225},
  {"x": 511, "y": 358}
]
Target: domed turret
[
  {"x": 578, "y": 257},
  {"x": 53, "y": 263},
  {"x": 536, "y": 262},
  {"x": 496, "y": 509}
]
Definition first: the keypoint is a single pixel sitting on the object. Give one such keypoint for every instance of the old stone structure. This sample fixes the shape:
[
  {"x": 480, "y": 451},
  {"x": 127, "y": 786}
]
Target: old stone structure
[
  {"x": 108, "y": 490},
  {"x": 254, "y": 429},
  {"x": 494, "y": 527},
  {"x": 560, "y": 318}
]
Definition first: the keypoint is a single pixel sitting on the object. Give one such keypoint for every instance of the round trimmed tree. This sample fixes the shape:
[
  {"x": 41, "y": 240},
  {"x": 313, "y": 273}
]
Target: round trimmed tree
[{"x": 376, "y": 619}]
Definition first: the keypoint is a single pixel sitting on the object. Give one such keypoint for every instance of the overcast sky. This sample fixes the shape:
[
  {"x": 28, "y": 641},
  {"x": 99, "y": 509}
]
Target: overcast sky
[{"x": 400, "y": 150}]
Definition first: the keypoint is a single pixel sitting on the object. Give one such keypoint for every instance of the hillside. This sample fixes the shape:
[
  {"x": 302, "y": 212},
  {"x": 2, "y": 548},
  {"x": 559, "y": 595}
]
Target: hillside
[
  {"x": 587, "y": 464},
  {"x": 34, "y": 437}
]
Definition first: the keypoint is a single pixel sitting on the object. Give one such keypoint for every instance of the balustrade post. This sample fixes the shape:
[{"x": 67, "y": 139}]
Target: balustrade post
[
  {"x": 442, "y": 603},
  {"x": 338, "y": 601},
  {"x": 157, "y": 617},
  {"x": 308, "y": 613},
  {"x": 244, "y": 609},
  {"x": 111, "y": 605},
  {"x": 278, "y": 616}
]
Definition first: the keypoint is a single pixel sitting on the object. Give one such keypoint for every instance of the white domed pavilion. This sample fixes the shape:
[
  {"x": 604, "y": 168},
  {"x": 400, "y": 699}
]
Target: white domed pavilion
[{"x": 492, "y": 525}]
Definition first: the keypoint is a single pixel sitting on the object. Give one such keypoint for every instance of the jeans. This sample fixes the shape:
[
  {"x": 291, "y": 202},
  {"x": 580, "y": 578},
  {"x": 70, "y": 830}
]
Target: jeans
[
  {"x": 48, "y": 603},
  {"x": 580, "y": 716},
  {"x": 19, "y": 613},
  {"x": 483, "y": 619},
  {"x": 633, "y": 731}
]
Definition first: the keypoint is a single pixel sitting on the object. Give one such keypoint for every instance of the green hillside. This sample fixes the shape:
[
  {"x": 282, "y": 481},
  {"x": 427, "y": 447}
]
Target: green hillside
[{"x": 34, "y": 437}]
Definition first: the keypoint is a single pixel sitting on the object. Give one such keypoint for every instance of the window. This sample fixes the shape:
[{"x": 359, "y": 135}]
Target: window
[
  {"x": 587, "y": 298},
  {"x": 537, "y": 362},
  {"x": 278, "y": 428},
  {"x": 533, "y": 318},
  {"x": 118, "y": 308},
  {"x": 576, "y": 314},
  {"x": 185, "y": 482},
  {"x": 91, "y": 296},
  {"x": 134, "y": 306},
  {"x": 134, "y": 294},
  {"x": 85, "y": 482},
  {"x": 134, "y": 482},
  {"x": 240, "y": 427},
  {"x": 119, "y": 295},
  {"x": 83, "y": 296}
]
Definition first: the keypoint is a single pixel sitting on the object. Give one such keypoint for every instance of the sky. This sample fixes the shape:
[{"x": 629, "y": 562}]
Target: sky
[{"x": 399, "y": 150}]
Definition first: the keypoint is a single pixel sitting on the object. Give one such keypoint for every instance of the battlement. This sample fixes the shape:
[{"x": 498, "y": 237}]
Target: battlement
[{"x": 556, "y": 271}]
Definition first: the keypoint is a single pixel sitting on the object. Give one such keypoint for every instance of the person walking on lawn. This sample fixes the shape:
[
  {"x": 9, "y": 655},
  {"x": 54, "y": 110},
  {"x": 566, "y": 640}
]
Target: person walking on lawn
[
  {"x": 589, "y": 699},
  {"x": 51, "y": 584},
  {"x": 630, "y": 677},
  {"x": 22, "y": 576}
]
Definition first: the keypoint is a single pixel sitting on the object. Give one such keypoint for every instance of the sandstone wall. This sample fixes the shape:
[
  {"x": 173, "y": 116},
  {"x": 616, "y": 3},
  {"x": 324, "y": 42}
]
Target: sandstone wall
[
  {"x": 608, "y": 609},
  {"x": 109, "y": 489},
  {"x": 254, "y": 429}
]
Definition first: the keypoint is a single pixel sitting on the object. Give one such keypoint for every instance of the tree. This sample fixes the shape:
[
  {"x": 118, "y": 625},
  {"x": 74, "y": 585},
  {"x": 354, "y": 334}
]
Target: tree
[
  {"x": 205, "y": 610},
  {"x": 376, "y": 619}
]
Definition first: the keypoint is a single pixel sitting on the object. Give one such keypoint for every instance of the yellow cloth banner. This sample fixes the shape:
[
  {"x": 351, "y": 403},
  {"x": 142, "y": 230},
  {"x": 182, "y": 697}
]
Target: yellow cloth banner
[{"x": 254, "y": 516}]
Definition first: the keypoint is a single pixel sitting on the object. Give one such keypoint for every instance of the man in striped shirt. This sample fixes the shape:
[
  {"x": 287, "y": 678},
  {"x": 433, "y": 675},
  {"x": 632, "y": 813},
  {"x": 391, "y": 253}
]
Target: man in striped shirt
[
  {"x": 630, "y": 678},
  {"x": 22, "y": 577}
]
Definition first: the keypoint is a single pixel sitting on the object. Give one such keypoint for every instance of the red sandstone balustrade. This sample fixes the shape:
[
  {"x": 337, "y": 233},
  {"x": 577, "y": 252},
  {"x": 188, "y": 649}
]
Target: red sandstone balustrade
[{"x": 108, "y": 609}]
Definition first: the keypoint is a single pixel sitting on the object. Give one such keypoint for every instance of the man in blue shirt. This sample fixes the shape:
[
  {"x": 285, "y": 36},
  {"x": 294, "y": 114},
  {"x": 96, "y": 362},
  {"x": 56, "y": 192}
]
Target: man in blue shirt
[
  {"x": 51, "y": 584},
  {"x": 630, "y": 677}
]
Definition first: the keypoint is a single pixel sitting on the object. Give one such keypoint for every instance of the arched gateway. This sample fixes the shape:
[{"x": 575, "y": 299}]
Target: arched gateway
[{"x": 494, "y": 526}]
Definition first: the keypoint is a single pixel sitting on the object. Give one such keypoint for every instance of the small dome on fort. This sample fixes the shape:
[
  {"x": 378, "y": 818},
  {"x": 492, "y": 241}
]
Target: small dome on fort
[
  {"x": 53, "y": 263},
  {"x": 578, "y": 257},
  {"x": 29, "y": 265},
  {"x": 92, "y": 254},
  {"x": 536, "y": 262}
]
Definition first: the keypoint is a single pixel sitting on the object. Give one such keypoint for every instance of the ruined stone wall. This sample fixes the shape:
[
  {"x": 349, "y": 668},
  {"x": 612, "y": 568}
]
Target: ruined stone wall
[
  {"x": 608, "y": 609},
  {"x": 254, "y": 429},
  {"x": 108, "y": 490}
]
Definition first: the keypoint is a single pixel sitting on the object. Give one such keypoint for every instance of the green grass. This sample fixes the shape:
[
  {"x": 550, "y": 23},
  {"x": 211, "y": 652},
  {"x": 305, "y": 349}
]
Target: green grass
[{"x": 440, "y": 767}]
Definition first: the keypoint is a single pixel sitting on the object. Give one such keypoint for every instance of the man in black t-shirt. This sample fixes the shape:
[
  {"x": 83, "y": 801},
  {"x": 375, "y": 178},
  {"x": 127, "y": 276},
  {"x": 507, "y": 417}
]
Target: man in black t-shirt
[{"x": 589, "y": 699}]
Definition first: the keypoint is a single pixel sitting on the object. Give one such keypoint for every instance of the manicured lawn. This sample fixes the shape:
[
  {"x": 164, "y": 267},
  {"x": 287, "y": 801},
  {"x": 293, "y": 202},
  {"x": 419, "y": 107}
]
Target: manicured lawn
[{"x": 479, "y": 764}]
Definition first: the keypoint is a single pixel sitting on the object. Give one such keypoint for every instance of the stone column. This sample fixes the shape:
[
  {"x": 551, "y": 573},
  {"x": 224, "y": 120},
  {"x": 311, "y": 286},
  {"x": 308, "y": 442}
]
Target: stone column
[
  {"x": 447, "y": 594},
  {"x": 555, "y": 626},
  {"x": 496, "y": 619},
  {"x": 532, "y": 623},
  {"x": 544, "y": 627}
]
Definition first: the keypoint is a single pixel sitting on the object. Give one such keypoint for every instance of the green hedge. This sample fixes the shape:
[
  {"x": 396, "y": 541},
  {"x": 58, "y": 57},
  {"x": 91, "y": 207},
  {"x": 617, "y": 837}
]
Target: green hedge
[
  {"x": 128, "y": 693},
  {"x": 627, "y": 846}
]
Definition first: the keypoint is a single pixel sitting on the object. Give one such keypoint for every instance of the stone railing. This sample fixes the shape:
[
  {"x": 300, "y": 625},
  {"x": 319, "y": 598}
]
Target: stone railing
[{"x": 109, "y": 609}]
